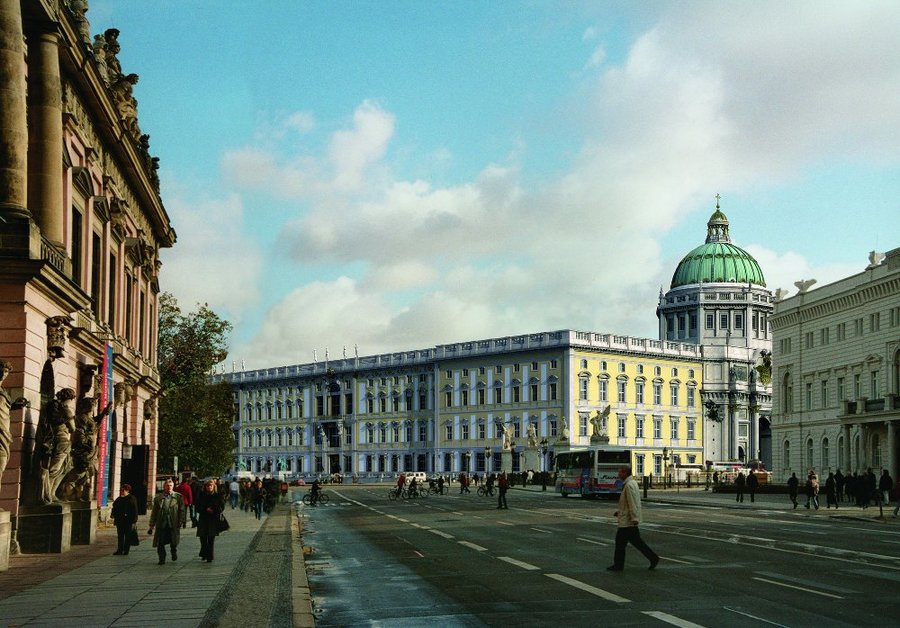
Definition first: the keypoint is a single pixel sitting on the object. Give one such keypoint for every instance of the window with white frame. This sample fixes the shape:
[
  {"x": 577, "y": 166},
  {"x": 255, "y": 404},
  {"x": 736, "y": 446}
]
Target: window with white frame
[
  {"x": 639, "y": 425},
  {"x": 448, "y": 431},
  {"x": 604, "y": 389},
  {"x": 639, "y": 392},
  {"x": 583, "y": 389},
  {"x": 622, "y": 386},
  {"x": 583, "y": 426},
  {"x": 673, "y": 391},
  {"x": 657, "y": 394},
  {"x": 621, "y": 432},
  {"x": 657, "y": 428},
  {"x": 673, "y": 429}
]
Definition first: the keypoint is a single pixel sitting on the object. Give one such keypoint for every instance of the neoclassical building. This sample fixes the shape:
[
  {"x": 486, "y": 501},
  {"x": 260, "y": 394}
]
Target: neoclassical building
[
  {"x": 693, "y": 395},
  {"x": 81, "y": 225},
  {"x": 718, "y": 300},
  {"x": 837, "y": 372}
]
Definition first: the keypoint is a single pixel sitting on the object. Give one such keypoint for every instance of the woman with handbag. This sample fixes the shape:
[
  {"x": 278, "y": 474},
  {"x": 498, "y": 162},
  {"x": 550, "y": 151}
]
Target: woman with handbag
[
  {"x": 209, "y": 506},
  {"x": 125, "y": 513}
]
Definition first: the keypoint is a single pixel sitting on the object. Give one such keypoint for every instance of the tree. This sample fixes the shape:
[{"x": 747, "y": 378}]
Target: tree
[{"x": 195, "y": 416}]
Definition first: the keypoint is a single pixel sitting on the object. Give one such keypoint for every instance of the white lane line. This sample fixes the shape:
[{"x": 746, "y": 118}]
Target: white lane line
[
  {"x": 403, "y": 520},
  {"x": 416, "y": 525},
  {"x": 791, "y": 586},
  {"x": 606, "y": 595},
  {"x": 518, "y": 563},
  {"x": 419, "y": 554},
  {"x": 879, "y": 532},
  {"x": 771, "y": 623},
  {"x": 675, "y": 560},
  {"x": 671, "y": 619},
  {"x": 506, "y": 523},
  {"x": 542, "y": 530},
  {"x": 592, "y": 541},
  {"x": 477, "y": 548},
  {"x": 440, "y": 533}
]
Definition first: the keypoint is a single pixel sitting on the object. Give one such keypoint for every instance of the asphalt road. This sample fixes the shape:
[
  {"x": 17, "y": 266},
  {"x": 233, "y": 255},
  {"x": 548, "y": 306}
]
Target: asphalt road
[{"x": 455, "y": 560}]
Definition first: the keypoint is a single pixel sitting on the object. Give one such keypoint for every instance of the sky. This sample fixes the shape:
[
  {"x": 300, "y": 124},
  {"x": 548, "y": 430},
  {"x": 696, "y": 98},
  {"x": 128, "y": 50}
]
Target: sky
[{"x": 396, "y": 175}]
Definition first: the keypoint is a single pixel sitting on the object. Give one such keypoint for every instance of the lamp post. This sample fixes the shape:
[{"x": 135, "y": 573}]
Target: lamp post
[
  {"x": 665, "y": 467},
  {"x": 543, "y": 447}
]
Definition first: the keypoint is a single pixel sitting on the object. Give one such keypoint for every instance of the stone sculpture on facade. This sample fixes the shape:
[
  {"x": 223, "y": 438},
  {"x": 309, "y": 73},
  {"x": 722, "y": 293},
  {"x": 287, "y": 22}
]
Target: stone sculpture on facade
[
  {"x": 563, "y": 430},
  {"x": 532, "y": 436},
  {"x": 99, "y": 47},
  {"x": 507, "y": 435},
  {"x": 765, "y": 367},
  {"x": 7, "y": 405},
  {"x": 57, "y": 333},
  {"x": 79, "y": 482},
  {"x": 599, "y": 424},
  {"x": 79, "y": 9},
  {"x": 53, "y": 445}
]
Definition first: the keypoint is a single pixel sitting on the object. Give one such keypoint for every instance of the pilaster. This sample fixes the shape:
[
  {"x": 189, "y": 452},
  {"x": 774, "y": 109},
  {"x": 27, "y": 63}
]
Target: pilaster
[{"x": 13, "y": 117}]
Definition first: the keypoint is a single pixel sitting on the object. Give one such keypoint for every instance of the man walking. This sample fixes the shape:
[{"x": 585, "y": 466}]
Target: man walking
[
  {"x": 752, "y": 485},
  {"x": 739, "y": 482},
  {"x": 166, "y": 519},
  {"x": 503, "y": 485},
  {"x": 793, "y": 488},
  {"x": 629, "y": 518}
]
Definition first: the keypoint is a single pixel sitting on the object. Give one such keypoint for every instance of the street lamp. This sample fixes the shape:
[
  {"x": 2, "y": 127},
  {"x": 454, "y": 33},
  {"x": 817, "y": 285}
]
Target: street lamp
[
  {"x": 544, "y": 446},
  {"x": 665, "y": 467}
]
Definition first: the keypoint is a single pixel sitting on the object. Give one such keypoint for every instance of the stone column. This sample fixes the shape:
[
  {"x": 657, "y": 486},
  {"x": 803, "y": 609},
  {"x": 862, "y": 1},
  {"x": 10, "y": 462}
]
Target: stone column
[
  {"x": 13, "y": 120},
  {"x": 891, "y": 462},
  {"x": 848, "y": 464},
  {"x": 45, "y": 142}
]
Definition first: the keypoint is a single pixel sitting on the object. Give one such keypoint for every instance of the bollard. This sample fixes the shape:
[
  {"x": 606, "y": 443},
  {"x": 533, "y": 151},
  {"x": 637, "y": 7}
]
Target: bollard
[{"x": 646, "y": 485}]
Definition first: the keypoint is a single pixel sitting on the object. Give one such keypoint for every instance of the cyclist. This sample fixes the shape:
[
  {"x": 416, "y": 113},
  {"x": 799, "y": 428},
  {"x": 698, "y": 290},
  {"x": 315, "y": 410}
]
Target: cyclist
[
  {"x": 314, "y": 491},
  {"x": 413, "y": 488}
]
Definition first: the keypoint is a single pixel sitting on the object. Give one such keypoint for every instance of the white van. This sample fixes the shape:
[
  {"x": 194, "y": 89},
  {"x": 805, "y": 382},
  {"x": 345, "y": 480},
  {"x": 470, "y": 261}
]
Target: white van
[{"x": 421, "y": 477}]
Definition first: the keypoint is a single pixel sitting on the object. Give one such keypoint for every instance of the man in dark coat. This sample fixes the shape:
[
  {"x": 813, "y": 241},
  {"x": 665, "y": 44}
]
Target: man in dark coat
[
  {"x": 125, "y": 514},
  {"x": 166, "y": 519},
  {"x": 739, "y": 482},
  {"x": 752, "y": 485},
  {"x": 793, "y": 487}
]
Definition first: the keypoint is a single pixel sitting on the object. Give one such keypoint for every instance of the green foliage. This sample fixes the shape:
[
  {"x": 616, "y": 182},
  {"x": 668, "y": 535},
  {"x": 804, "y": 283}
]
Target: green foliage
[{"x": 195, "y": 417}]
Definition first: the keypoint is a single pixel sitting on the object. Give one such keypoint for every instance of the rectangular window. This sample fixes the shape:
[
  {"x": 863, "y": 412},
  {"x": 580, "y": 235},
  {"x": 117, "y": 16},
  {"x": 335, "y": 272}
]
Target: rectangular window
[
  {"x": 370, "y": 406},
  {"x": 77, "y": 246},
  {"x": 691, "y": 397},
  {"x": 875, "y": 321},
  {"x": 517, "y": 394},
  {"x": 738, "y": 321},
  {"x": 673, "y": 429},
  {"x": 809, "y": 340},
  {"x": 583, "y": 426},
  {"x": 465, "y": 431},
  {"x": 621, "y": 427},
  {"x": 857, "y": 387},
  {"x": 604, "y": 390},
  {"x": 464, "y": 395},
  {"x": 657, "y": 428},
  {"x": 498, "y": 395},
  {"x": 808, "y": 396},
  {"x": 639, "y": 392},
  {"x": 481, "y": 396},
  {"x": 113, "y": 286},
  {"x": 842, "y": 331},
  {"x": 534, "y": 366},
  {"x": 448, "y": 399},
  {"x": 423, "y": 432},
  {"x": 874, "y": 388},
  {"x": 448, "y": 432},
  {"x": 840, "y": 389},
  {"x": 691, "y": 429},
  {"x": 534, "y": 392},
  {"x": 553, "y": 364},
  {"x": 823, "y": 336},
  {"x": 673, "y": 390},
  {"x": 657, "y": 394},
  {"x": 553, "y": 427},
  {"x": 858, "y": 327},
  {"x": 639, "y": 426},
  {"x": 710, "y": 321},
  {"x": 639, "y": 466},
  {"x": 623, "y": 389},
  {"x": 96, "y": 265},
  {"x": 481, "y": 431},
  {"x": 583, "y": 389},
  {"x": 723, "y": 321},
  {"x": 823, "y": 398},
  {"x": 382, "y": 405},
  {"x": 423, "y": 401},
  {"x": 552, "y": 390},
  {"x": 465, "y": 372}
]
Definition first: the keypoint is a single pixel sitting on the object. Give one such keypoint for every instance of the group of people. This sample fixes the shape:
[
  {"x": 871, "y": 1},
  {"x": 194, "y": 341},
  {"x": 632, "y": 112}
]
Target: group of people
[{"x": 863, "y": 489}]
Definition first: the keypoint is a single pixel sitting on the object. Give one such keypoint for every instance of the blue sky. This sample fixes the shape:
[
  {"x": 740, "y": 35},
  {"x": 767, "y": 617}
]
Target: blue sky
[{"x": 395, "y": 175}]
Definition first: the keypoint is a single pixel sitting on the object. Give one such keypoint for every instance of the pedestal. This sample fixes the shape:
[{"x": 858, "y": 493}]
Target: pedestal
[
  {"x": 44, "y": 529},
  {"x": 506, "y": 461},
  {"x": 5, "y": 538},
  {"x": 84, "y": 522}
]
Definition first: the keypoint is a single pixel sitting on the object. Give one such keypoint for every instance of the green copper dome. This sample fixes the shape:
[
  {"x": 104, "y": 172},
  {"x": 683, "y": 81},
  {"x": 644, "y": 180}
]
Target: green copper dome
[{"x": 718, "y": 260}]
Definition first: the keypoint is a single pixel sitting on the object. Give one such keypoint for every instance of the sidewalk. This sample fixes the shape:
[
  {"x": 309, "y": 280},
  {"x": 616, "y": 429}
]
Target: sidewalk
[{"x": 88, "y": 586}]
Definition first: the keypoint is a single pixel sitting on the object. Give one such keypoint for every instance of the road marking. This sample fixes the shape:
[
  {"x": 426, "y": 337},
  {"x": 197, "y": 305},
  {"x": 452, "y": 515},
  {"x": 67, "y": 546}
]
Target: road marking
[
  {"x": 542, "y": 530},
  {"x": 477, "y": 548},
  {"x": 403, "y": 520},
  {"x": 419, "y": 554},
  {"x": 675, "y": 560},
  {"x": 518, "y": 563},
  {"x": 791, "y": 586},
  {"x": 581, "y": 538},
  {"x": 671, "y": 619},
  {"x": 879, "y": 532},
  {"x": 440, "y": 533},
  {"x": 506, "y": 523},
  {"x": 606, "y": 595},
  {"x": 734, "y": 610},
  {"x": 808, "y": 583},
  {"x": 416, "y": 525}
]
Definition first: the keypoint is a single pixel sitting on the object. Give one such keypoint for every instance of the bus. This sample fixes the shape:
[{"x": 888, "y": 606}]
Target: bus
[{"x": 591, "y": 471}]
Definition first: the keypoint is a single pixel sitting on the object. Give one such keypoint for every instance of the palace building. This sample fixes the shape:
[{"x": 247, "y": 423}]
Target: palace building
[
  {"x": 836, "y": 363},
  {"x": 693, "y": 395},
  {"x": 81, "y": 226}
]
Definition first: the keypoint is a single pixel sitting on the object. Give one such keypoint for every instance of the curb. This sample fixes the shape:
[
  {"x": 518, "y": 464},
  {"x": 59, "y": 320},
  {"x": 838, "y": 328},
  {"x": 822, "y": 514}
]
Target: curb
[{"x": 301, "y": 601}]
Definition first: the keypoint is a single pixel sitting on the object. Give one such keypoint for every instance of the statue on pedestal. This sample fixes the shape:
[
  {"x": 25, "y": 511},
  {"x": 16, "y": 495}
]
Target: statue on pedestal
[
  {"x": 563, "y": 429},
  {"x": 7, "y": 405},
  {"x": 79, "y": 482},
  {"x": 53, "y": 445},
  {"x": 599, "y": 423},
  {"x": 532, "y": 436},
  {"x": 507, "y": 436}
]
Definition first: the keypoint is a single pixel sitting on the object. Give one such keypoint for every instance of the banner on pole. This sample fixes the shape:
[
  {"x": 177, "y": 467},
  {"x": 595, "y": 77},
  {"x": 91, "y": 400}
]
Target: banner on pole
[{"x": 103, "y": 438}]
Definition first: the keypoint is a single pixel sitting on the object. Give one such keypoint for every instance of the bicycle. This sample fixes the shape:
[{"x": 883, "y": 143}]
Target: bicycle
[
  {"x": 395, "y": 493},
  {"x": 322, "y": 499},
  {"x": 484, "y": 491}
]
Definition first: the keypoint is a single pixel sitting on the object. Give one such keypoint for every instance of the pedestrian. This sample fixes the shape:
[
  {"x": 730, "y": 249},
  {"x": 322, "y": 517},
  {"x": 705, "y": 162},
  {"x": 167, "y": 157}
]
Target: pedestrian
[
  {"x": 752, "y": 485},
  {"x": 209, "y": 508},
  {"x": 125, "y": 514},
  {"x": 440, "y": 483},
  {"x": 166, "y": 519},
  {"x": 812, "y": 489},
  {"x": 793, "y": 486},
  {"x": 283, "y": 488},
  {"x": 739, "y": 482},
  {"x": 629, "y": 518},
  {"x": 885, "y": 484},
  {"x": 503, "y": 485},
  {"x": 872, "y": 487},
  {"x": 234, "y": 488},
  {"x": 839, "y": 482},
  {"x": 715, "y": 478},
  {"x": 258, "y": 496},
  {"x": 831, "y": 491},
  {"x": 187, "y": 494},
  {"x": 897, "y": 496},
  {"x": 489, "y": 484}
]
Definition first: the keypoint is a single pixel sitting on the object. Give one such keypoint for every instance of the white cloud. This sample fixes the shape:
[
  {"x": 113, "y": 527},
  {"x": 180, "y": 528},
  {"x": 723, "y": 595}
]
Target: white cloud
[
  {"x": 220, "y": 265},
  {"x": 597, "y": 58},
  {"x": 781, "y": 270},
  {"x": 352, "y": 151}
]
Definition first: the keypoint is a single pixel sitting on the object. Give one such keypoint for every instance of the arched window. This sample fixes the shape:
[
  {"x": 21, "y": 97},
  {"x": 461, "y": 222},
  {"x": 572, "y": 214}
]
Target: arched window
[
  {"x": 787, "y": 394},
  {"x": 825, "y": 458},
  {"x": 809, "y": 454},
  {"x": 786, "y": 455},
  {"x": 876, "y": 450},
  {"x": 840, "y": 453},
  {"x": 290, "y": 437}
]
